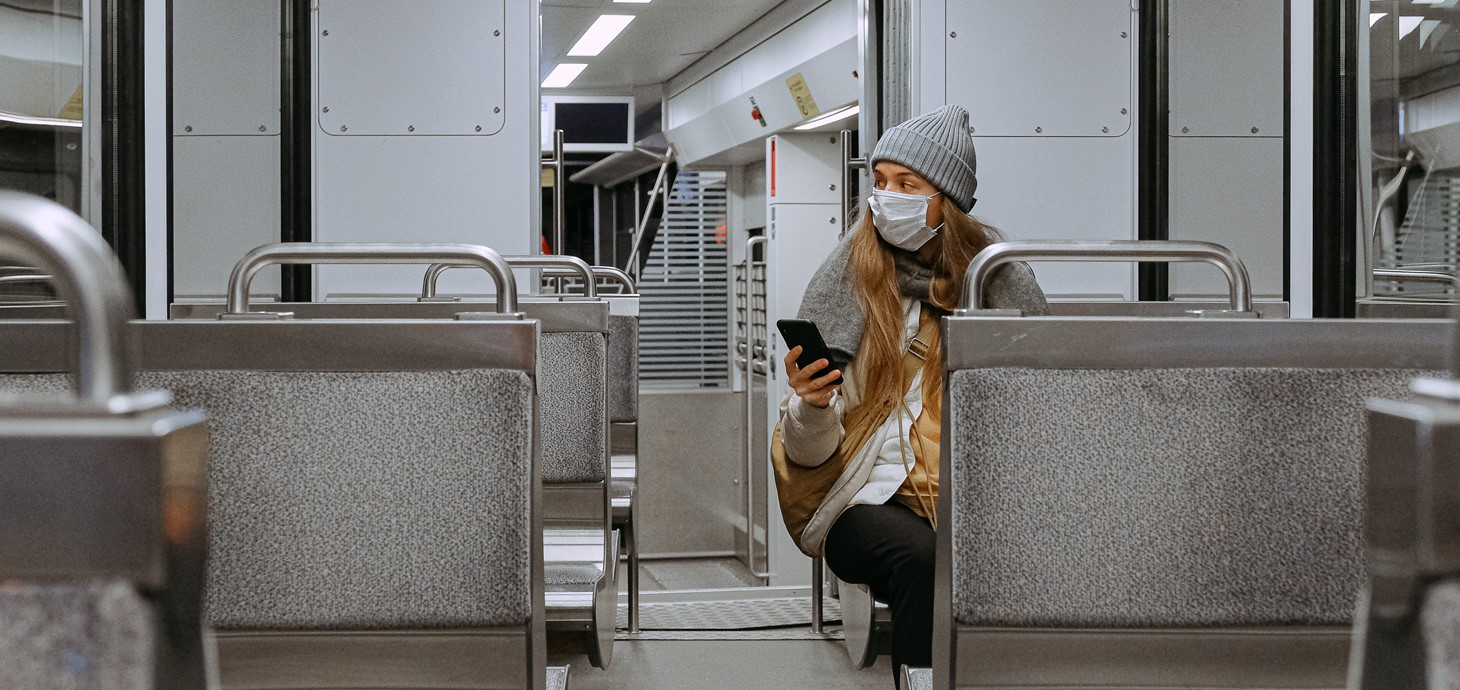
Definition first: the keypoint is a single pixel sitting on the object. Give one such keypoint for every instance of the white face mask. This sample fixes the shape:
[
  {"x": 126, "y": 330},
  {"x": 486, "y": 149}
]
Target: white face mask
[{"x": 901, "y": 219}]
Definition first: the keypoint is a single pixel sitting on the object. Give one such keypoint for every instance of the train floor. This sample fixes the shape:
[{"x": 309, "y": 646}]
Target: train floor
[{"x": 705, "y": 626}]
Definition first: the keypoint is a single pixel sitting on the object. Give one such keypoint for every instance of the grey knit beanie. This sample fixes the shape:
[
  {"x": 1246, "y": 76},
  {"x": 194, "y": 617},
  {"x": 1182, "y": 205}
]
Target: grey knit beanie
[{"x": 937, "y": 146}]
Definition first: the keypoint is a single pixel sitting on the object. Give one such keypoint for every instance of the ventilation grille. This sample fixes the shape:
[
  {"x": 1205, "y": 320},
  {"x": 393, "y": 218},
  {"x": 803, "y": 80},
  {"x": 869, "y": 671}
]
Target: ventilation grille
[
  {"x": 1429, "y": 239},
  {"x": 683, "y": 309}
]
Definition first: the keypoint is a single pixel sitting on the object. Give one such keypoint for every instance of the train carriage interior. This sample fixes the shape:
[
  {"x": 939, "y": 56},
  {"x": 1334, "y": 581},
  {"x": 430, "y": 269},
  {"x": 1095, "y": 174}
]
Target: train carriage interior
[{"x": 365, "y": 344}]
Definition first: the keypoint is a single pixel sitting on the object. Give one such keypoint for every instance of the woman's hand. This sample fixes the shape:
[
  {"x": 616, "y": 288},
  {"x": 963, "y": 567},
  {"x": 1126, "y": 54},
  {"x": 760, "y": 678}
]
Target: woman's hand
[{"x": 816, "y": 390}]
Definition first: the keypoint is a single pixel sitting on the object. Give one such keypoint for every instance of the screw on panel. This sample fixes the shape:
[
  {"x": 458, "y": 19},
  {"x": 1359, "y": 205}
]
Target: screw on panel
[
  {"x": 831, "y": 188},
  {"x": 263, "y": 128},
  {"x": 1123, "y": 111},
  {"x": 344, "y": 128},
  {"x": 1254, "y": 130},
  {"x": 411, "y": 128},
  {"x": 1124, "y": 35},
  {"x": 1185, "y": 130},
  {"x": 497, "y": 32},
  {"x": 497, "y": 109},
  {"x": 71, "y": 147},
  {"x": 831, "y": 220},
  {"x": 479, "y": 128},
  {"x": 1104, "y": 130},
  {"x": 1039, "y": 130},
  {"x": 326, "y": 32},
  {"x": 326, "y": 109},
  {"x": 952, "y": 34},
  {"x": 188, "y": 128}
]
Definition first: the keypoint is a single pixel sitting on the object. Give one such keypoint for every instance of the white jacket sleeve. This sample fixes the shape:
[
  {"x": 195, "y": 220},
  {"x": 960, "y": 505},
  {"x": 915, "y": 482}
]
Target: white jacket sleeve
[{"x": 810, "y": 434}]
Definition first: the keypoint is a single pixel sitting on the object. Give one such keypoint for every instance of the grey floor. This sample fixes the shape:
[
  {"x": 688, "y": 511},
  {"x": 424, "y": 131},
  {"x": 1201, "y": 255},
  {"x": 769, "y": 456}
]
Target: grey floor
[
  {"x": 694, "y": 664},
  {"x": 762, "y": 664}
]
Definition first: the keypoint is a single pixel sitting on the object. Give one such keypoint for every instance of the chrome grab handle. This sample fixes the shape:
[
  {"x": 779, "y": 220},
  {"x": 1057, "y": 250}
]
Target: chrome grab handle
[
  {"x": 88, "y": 277},
  {"x": 1419, "y": 276},
  {"x": 608, "y": 274},
  {"x": 1239, "y": 285},
  {"x": 572, "y": 263},
  {"x": 369, "y": 253}
]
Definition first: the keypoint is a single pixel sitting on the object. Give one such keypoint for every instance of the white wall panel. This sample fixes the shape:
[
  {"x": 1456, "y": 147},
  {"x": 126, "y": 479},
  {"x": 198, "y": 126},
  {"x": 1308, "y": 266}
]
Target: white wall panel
[
  {"x": 1071, "y": 181},
  {"x": 1228, "y": 191},
  {"x": 416, "y": 187},
  {"x": 225, "y": 202},
  {"x": 1076, "y": 54},
  {"x": 225, "y": 67},
  {"x": 450, "y": 83},
  {"x": 1227, "y": 67}
]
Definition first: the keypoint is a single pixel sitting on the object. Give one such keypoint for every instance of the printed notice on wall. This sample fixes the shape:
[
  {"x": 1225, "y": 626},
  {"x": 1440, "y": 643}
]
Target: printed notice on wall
[{"x": 802, "y": 93}]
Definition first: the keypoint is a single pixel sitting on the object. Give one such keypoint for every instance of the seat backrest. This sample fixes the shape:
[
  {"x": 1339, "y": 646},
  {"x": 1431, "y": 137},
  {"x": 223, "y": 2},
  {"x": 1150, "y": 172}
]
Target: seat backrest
[
  {"x": 364, "y": 475},
  {"x": 1162, "y": 472},
  {"x": 1165, "y": 473},
  {"x": 623, "y": 359}
]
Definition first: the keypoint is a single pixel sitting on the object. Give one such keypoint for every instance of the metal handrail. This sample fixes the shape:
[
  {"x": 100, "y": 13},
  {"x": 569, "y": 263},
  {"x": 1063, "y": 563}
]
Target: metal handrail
[
  {"x": 88, "y": 278},
  {"x": 748, "y": 295},
  {"x": 43, "y": 122},
  {"x": 1239, "y": 285},
  {"x": 1419, "y": 276},
  {"x": 32, "y": 278},
  {"x": 848, "y": 165},
  {"x": 606, "y": 274},
  {"x": 643, "y": 220},
  {"x": 365, "y": 253},
  {"x": 559, "y": 165},
  {"x": 571, "y": 263}
]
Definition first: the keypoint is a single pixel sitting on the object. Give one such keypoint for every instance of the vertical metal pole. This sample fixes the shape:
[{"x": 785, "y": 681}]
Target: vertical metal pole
[
  {"x": 597, "y": 227},
  {"x": 559, "y": 194},
  {"x": 848, "y": 165},
  {"x": 751, "y": 466},
  {"x": 818, "y": 576}
]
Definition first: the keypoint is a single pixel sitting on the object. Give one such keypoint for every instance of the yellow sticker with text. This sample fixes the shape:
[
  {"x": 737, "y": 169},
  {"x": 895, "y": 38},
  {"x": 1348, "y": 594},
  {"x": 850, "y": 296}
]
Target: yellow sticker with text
[{"x": 802, "y": 93}]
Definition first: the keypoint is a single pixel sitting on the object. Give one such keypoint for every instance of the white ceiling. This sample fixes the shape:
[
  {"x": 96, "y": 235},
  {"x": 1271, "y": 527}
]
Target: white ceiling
[{"x": 665, "y": 37}]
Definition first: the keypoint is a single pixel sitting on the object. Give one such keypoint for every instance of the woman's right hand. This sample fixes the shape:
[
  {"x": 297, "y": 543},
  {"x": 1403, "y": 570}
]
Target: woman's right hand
[{"x": 816, "y": 390}]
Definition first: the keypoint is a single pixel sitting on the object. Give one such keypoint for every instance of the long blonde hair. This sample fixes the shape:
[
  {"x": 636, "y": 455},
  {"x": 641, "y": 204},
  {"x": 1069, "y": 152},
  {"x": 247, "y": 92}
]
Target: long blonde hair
[{"x": 874, "y": 281}]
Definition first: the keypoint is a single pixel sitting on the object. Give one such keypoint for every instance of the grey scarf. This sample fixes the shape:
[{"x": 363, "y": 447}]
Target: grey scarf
[{"x": 830, "y": 303}]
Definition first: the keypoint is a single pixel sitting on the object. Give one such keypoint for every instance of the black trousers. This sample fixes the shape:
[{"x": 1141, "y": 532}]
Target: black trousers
[{"x": 890, "y": 549}]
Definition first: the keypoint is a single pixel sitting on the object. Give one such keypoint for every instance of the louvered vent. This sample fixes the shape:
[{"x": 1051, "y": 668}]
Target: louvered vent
[
  {"x": 1429, "y": 239},
  {"x": 683, "y": 309}
]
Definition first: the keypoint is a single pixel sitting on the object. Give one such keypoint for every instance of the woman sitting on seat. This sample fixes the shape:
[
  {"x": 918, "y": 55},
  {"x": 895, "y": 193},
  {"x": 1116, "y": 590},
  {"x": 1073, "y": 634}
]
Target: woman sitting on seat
[{"x": 861, "y": 483}]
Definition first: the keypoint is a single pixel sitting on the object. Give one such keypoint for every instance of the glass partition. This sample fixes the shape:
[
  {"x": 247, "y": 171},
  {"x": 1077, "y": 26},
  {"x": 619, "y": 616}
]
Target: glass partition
[{"x": 1412, "y": 204}]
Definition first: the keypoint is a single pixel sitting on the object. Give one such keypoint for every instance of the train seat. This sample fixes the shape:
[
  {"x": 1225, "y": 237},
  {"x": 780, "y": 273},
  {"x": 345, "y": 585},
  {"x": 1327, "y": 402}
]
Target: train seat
[
  {"x": 333, "y": 562},
  {"x": 623, "y": 417},
  {"x": 1157, "y": 502},
  {"x": 103, "y": 501}
]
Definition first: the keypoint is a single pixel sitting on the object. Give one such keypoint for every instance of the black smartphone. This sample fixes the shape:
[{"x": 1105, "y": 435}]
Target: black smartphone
[{"x": 804, "y": 333}]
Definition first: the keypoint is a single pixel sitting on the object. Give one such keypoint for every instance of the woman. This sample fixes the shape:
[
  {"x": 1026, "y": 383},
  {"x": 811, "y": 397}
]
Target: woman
[{"x": 863, "y": 456}]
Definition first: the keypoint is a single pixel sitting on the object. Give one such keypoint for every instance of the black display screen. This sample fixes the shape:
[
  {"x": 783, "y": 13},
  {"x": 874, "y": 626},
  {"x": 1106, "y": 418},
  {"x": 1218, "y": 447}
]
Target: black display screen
[{"x": 592, "y": 123}]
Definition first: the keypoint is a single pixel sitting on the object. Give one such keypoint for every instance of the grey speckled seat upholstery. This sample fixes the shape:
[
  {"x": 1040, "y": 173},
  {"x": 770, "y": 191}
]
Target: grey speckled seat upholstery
[
  {"x": 1154, "y": 504},
  {"x": 1440, "y": 621},
  {"x": 366, "y": 500},
  {"x": 572, "y": 386},
  {"x": 623, "y": 372},
  {"x": 75, "y": 636}
]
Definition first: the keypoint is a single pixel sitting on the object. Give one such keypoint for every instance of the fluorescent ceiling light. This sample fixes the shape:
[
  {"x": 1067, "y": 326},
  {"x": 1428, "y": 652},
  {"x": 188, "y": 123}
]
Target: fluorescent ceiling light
[
  {"x": 833, "y": 116},
  {"x": 1374, "y": 18},
  {"x": 1417, "y": 2},
  {"x": 1407, "y": 25},
  {"x": 603, "y": 31},
  {"x": 563, "y": 75},
  {"x": 645, "y": 2}
]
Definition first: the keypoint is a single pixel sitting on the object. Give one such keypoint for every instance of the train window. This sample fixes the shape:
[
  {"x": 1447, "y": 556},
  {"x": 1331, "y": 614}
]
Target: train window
[
  {"x": 41, "y": 45},
  {"x": 1413, "y": 168}
]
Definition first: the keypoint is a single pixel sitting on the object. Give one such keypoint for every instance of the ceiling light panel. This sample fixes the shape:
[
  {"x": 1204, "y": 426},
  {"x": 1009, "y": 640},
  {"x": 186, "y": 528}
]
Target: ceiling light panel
[
  {"x": 563, "y": 75},
  {"x": 604, "y": 30}
]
